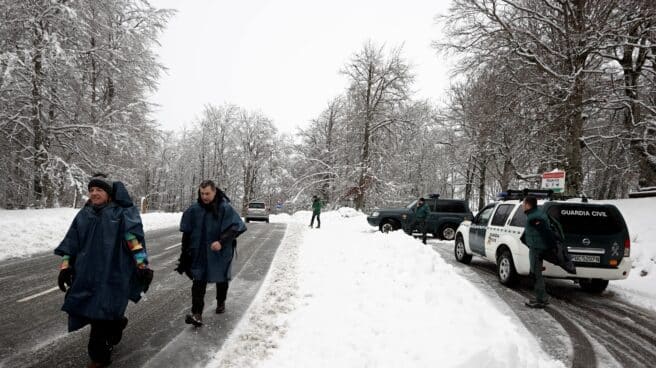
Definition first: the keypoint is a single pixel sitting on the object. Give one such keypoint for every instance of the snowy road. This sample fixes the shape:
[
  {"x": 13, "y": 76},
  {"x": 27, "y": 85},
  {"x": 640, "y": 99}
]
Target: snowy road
[
  {"x": 577, "y": 328},
  {"x": 33, "y": 329}
]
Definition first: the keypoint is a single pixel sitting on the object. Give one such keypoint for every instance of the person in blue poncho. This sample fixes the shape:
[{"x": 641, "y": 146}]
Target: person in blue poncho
[
  {"x": 209, "y": 229},
  {"x": 104, "y": 264}
]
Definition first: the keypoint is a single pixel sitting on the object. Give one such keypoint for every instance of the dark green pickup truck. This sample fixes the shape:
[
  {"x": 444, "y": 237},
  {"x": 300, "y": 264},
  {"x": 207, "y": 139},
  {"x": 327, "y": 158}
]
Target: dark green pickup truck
[{"x": 443, "y": 220}]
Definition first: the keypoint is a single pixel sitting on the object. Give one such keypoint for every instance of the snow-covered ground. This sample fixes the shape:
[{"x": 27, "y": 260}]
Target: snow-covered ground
[
  {"x": 349, "y": 296},
  {"x": 640, "y": 286},
  {"x": 26, "y": 232}
]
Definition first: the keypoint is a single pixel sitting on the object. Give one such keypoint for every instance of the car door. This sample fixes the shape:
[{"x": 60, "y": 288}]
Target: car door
[
  {"x": 478, "y": 228},
  {"x": 496, "y": 227}
]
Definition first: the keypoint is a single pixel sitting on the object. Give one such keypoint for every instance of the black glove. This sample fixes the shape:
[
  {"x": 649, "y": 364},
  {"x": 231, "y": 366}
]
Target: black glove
[
  {"x": 145, "y": 276},
  {"x": 184, "y": 264},
  {"x": 65, "y": 279}
]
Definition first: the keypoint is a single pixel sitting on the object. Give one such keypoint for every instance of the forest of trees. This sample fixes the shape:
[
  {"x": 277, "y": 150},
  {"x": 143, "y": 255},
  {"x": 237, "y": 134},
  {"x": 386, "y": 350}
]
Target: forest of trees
[
  {"x": 74, "y": 77},
  {"x": 547, "y": 84},
  {"x": 539, "y": 85}
]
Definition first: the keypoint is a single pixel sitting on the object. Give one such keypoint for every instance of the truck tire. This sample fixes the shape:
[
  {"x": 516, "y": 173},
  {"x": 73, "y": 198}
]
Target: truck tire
[
  {"x": 448, "y": 231},
  {"x": 506, "y": 268},
  {"x": 460, "y": 252},
  {"x": 388, "y": 225}
]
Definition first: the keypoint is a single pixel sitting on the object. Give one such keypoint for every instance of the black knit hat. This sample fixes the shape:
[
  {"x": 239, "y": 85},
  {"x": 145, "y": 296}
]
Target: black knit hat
[{"x": 101, "y": 181}]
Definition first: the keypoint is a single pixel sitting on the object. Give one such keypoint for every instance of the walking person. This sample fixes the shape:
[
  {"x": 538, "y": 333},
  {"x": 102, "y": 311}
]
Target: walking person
[
  {"x": 316, "y": 211},
  {"x": 209, "y": 229},
  {"x": 421, "y": 215},
  {"x": 104, "y": 264},
  {"x": 538, "y": 239}
]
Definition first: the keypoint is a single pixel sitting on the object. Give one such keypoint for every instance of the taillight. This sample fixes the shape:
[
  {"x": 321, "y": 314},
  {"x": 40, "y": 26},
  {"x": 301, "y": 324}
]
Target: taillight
[{"x": 627, "y": 247}]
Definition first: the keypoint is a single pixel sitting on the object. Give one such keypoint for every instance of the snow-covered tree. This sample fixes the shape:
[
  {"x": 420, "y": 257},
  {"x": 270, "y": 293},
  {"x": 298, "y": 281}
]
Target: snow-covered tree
[{"x": 75, "y": 77}]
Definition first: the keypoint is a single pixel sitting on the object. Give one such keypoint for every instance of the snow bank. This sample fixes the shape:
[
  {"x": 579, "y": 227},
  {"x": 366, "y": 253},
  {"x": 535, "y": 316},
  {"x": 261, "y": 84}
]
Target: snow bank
[
  {"x": 640, "y": 286},
  {"x": 360, "y": 298},
  {"x": 26, "y": 232}
]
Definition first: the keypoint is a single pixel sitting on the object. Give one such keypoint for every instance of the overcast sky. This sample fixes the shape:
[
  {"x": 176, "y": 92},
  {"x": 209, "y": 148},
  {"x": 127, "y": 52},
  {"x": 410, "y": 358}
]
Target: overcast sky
[{"x": 283, "y": 57}]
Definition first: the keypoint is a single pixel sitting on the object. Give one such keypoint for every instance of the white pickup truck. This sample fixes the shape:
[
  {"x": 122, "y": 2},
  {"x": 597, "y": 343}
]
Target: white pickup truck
[{"x": 595, "y": 234}]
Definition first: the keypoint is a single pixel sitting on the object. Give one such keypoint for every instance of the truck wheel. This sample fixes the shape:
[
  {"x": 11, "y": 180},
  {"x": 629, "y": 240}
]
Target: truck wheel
[
  {"x": 388, "y": 225},
  {"x": 593, "y": 286},
  {"x": 460, "y": 252},
  {"x": 448, "y": 232},
  {"x": 506, "y": 268}
]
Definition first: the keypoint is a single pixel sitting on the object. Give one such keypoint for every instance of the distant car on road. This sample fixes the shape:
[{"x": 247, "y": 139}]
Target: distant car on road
[
  {"x": 257, "y": 211},
  {"x": 443, "y": 220},
  {"x": 596, "y": 237}
]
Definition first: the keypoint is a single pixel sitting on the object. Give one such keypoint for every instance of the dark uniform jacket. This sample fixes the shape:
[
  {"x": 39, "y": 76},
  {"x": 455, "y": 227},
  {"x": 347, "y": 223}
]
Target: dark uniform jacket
[
  {"x": 421, "y": 213},
  {"x": 537, "y": 234}
]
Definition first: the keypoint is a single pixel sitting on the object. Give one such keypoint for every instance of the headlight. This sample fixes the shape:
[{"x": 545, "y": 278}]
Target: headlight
[
  {"x": 404, "y": 216},
  {"x": 375, "y": 214}
]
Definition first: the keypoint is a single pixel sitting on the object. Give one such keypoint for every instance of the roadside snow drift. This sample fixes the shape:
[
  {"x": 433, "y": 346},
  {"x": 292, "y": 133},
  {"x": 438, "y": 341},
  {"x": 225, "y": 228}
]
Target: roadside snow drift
[
  {"x": 26, "y": 232},
  {"x": 640, "y": 286},
  {"x": 361, "y": 298}
]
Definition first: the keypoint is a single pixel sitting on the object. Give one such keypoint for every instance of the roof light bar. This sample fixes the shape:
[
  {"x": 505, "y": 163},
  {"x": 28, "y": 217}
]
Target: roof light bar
[{"x": 511, "y": 194}]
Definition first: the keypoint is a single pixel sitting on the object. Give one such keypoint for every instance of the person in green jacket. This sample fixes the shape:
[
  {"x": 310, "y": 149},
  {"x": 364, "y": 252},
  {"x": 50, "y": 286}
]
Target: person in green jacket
[
  {"x": 421, "y": 215},
  {"x": 316, "y": 211},
  {"x": 538, "y": 239}
]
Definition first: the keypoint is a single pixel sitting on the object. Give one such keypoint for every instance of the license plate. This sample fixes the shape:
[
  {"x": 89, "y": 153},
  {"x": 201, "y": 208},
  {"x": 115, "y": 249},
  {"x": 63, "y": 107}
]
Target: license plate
[{"x": 585, "y": 258}]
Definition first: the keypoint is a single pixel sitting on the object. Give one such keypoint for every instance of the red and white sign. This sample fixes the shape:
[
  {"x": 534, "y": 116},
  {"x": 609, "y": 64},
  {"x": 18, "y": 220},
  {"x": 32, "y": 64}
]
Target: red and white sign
[{"x": 554, "y": 180}]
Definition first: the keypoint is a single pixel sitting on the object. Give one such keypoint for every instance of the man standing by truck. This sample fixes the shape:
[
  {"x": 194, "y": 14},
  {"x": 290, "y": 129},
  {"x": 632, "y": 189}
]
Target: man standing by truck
[
  {"x": 538, "y": 239},
  {"x": 421, "y": 215}
]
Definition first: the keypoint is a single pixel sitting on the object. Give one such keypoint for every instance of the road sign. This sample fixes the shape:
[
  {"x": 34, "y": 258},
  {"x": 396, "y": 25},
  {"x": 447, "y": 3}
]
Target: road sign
[{"x": 554, "y": 180}]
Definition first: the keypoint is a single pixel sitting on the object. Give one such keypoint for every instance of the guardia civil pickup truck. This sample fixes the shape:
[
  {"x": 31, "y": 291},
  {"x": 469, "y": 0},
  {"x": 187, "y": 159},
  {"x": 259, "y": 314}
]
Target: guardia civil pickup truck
[{"x": 596, "y": 237}]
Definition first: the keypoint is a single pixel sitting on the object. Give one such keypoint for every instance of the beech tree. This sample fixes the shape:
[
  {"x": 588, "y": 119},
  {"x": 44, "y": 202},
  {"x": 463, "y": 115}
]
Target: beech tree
[{"x": 379, "y": 86}]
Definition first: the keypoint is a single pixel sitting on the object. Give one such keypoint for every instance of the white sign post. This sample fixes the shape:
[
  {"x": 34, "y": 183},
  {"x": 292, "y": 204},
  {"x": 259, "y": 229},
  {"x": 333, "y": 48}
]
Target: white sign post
[{"x": 554, "y": 180}]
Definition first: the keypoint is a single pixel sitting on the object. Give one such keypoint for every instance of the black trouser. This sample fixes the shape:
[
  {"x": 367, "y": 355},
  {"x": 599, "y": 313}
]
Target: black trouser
[
  {"x": 104, "y": 335},
  {"x": 317, "y": 215},
  {"x": 198, "y": 295},
  {"x": 420, "y": 224}
]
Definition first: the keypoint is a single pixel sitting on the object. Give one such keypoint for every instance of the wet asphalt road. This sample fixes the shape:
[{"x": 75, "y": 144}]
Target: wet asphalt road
[
  {"x": 577, "y": 328},
  {"x": 33, "y": 329}
]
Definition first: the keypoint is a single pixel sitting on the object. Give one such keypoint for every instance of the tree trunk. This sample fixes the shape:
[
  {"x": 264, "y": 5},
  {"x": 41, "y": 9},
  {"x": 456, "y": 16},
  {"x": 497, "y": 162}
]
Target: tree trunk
[
  {"x": 575, "y": 120},
  {"x": 573, "y": 160},
  {"x": 360, "y": 199},
  {"x": 506, "y": 175},
  {"x": 40, "y": 160},
  {"x": 469, "y": 178},
  {"x": 482, "y": 177},
  {"x": 249, "y": 181}
]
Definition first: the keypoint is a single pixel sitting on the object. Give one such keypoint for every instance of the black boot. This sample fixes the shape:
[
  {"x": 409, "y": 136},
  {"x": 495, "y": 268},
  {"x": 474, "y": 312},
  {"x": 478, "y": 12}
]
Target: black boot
[
  {"x": 536, "y": 304},
  {"x": 220, "y": 308},
  {"x": 194, "y": 319}
]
